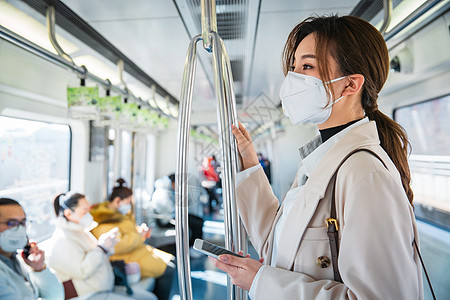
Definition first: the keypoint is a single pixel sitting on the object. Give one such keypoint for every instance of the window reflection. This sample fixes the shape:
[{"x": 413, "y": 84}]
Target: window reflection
[{"x": 428, "y": 127}]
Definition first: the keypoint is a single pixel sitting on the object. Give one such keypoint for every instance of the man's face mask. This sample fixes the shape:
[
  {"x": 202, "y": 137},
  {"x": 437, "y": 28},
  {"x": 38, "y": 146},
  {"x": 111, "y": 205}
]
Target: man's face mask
[{"x": 13, "y": 238}]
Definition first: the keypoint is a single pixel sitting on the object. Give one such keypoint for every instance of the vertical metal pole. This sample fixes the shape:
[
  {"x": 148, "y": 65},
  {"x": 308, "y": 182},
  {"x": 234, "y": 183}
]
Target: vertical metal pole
[
  {"x": 209, "y": 22},
  {"x": 229, "y": 158},
  {"x": 181, "y": 188},
  {"x": 235, "y": 238},
  {"x": 105, "y": 165},
  {"x": 241, "y": 235},
  {"x": 117, "y": 156}
]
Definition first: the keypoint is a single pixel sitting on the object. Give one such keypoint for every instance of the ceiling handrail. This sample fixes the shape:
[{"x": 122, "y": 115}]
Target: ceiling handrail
[
  {"x": 82, "y": 72},
  {"x": 50, "y": 17},
  {"x": 387, "y": 8}
]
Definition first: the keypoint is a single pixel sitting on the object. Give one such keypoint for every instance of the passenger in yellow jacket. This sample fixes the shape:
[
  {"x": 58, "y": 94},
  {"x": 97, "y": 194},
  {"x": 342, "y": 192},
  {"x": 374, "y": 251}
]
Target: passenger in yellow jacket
[{"x": 117, "y": 212}]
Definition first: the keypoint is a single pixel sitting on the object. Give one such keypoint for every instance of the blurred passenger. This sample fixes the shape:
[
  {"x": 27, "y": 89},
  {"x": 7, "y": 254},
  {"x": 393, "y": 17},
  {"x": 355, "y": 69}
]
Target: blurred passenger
[
  {"x": 117, "y": 212},
  {"x": 195, "y": 209},
  {"x": 210, "y": 170},
  {"x": 216, "y": 165},
  {"x": 22, "y": 276},
  {"x": 211, "y": 181},
  {"x": 163, "y": 202},
  {"x": 79, "y": 259},
  {"x": 265, "y": 163}
]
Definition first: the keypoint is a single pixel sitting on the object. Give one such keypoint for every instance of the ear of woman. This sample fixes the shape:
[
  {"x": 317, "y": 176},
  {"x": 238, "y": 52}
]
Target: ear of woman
[
  {"x": 68, "y": 214},
  {"x": 115, "y": 202},
  {"x": 354, "y": 85}
]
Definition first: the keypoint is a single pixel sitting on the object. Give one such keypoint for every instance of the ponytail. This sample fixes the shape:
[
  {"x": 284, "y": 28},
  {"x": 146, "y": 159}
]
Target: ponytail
[
  {"x": 394, "y": 141},
  {"x": 120, "y": 190},
  {"x": 65, "y": 201}
]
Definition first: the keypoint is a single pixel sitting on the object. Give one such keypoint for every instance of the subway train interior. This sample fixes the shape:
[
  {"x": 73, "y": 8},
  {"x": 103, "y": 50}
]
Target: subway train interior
[{"x": 92, "y": 91}]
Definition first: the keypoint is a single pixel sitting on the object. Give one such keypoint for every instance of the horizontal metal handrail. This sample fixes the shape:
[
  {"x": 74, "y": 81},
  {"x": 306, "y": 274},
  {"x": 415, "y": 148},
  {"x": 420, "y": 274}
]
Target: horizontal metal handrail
[
  {"x": 413, "y": 17},
  {"x": 37, "y": 50}
]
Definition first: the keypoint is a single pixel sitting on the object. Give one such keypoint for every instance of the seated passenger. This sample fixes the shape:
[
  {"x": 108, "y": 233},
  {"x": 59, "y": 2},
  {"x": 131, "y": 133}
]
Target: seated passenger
[
  {"x": 22, "y": 277},
  {"x": 117, "y": 212},
  {"x": 78, "y": 258}
]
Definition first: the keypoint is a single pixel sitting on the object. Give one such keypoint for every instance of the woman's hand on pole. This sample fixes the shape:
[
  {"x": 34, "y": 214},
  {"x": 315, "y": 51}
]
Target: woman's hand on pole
[
  {"x": 245, "y": 146},
  {"x": 242, "y": 271}
]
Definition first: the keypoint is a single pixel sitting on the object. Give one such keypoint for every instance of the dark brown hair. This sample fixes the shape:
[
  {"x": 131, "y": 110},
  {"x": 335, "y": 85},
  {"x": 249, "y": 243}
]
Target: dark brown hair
[
  {"x": 8, "y": 201},
  {"x": 120, "y": 190},
  {"x": 67, "y": 200},
  {"x": 358, "y": 48}
]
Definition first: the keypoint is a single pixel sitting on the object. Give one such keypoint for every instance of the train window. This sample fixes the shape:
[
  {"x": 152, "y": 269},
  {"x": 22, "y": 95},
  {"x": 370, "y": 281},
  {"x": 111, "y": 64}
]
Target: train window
[
  {"x": 34, "y": 168},
  {"x": 127, "y": 149},
  {"x": 428, "y": 127}
]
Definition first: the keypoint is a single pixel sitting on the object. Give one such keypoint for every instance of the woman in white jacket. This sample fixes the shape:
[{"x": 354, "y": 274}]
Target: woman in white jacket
[
  {"x": 77, "y": 256},
  {"x": 346, "y": 229}
]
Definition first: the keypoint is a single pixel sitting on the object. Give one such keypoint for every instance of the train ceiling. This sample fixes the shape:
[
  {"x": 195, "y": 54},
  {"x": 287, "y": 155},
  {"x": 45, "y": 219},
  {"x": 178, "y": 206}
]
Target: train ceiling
[{"x": 154, "y": 35}]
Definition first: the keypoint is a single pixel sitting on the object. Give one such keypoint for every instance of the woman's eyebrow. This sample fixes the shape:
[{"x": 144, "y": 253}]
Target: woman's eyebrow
[{"x": 308, "y": 56}]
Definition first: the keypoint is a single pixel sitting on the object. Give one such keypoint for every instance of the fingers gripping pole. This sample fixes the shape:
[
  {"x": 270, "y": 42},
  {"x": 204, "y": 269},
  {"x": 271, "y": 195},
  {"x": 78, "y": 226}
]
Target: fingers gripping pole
[{"x": 181, "y": 190}]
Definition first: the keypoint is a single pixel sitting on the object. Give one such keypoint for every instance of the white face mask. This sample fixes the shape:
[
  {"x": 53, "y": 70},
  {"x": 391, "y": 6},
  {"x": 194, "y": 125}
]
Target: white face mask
[
  {"x": 86, "y": 220},
  {"x": 124, "y": 208},
  {"x": 13, "y": 239},
  {"x": 304, "y": 99}
]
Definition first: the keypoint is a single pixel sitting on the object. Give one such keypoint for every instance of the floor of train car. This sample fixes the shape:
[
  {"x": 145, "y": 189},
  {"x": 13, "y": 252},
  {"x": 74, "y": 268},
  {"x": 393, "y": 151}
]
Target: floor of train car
[{"x": 208, "y": 282}]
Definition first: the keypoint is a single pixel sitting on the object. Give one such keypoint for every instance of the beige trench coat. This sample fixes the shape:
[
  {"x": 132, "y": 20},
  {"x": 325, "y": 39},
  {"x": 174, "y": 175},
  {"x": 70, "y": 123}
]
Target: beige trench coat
[{"x": 376, "y": 228}]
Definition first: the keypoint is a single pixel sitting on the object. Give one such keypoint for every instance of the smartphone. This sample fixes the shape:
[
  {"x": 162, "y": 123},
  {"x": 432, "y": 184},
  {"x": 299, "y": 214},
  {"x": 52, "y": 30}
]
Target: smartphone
[
  {"x": 211, "y": 249},
  {"x": 26, "y": 251}
]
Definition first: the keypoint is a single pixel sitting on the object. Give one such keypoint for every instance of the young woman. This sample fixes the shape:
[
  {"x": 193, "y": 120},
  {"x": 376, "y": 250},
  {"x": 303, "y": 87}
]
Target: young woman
[
  {"x": 117, "y": 212},
  {"x": 78, "y": 257},
  {"x": 335, "y": 68}
]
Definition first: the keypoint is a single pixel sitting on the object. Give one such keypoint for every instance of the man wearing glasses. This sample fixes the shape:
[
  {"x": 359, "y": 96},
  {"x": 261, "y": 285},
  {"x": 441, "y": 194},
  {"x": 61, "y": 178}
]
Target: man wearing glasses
[{"x": 22, "y": 275}]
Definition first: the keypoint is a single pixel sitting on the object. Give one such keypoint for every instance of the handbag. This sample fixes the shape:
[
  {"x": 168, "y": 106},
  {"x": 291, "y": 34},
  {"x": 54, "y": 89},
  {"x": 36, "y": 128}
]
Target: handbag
[
  {"x": 120, "y": 275},
  {"x": 333, "y": 227},
  {"x": 69, "y": 290}
]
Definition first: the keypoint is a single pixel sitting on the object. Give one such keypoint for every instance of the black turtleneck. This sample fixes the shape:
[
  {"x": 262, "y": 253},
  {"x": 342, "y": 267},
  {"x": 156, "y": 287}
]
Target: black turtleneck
[{"x": 329, "y": 132}]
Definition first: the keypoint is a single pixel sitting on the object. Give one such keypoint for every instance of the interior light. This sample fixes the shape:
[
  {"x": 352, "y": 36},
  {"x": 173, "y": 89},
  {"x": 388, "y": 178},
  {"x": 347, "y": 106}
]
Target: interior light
[
  {"x": 98, "y": 67},
  {"x": 139, "y": 90},
  {"x": 31, "y": 29},
  {"x": 401, "y": 12}
]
